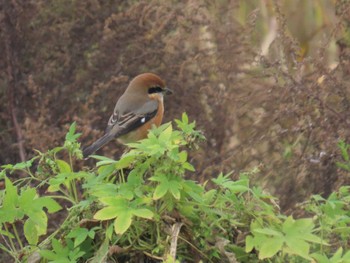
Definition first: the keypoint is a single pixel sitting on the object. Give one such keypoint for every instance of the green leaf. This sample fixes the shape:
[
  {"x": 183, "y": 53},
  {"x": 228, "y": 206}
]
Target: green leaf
[
  {"x": 11, "y": 196},
  {"x": 51, "y": 205},
  {"x": 63, "y": 166},
  {"x": 188, "y": 167},
  {"x": 123, "y": 222},
  {"x": 23, "y": 165},
  {"x": 109, "y": 212},
  {"x": 184, "y": 118},
  {"x": 166, "y": 134},
  {"x": 125, "y": 162},
  {"x": 182, "y": 156},
  {"x": 40, "y": 220},
  {"x": 79, "y": 235},
  {"x": 320, "y": 258},
  {"x": 160, "y": 191},
  {"x": 174, "y": 189},
  {"x": 47, "y": 254},
  {"x": 143, "y": 212},
  {"x": 298, "y": 246},
  {"x": 71, "y": 136},
  {"x": 268, "y": 231},
  {"x": 30, "y": 232},
  {"x": 249, "y": 243},
  {"x": 270, "y": 247}
]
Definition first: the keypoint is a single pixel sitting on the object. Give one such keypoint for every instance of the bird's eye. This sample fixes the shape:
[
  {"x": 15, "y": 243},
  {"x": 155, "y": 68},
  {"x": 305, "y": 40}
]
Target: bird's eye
[{"x": 156, "y": 89}]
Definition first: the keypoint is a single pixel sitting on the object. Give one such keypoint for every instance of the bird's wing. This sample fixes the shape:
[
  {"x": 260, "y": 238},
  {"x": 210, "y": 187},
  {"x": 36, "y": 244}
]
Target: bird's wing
[{"x": 123, "y": 122}]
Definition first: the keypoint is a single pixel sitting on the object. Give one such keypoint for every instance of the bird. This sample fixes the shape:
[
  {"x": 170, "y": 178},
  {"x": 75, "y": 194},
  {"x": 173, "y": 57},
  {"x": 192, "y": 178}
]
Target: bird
[{"x": 139, "y": 108}]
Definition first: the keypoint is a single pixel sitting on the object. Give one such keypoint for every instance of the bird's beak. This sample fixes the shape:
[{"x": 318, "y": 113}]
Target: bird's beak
[{"x": 167, "y": 91}]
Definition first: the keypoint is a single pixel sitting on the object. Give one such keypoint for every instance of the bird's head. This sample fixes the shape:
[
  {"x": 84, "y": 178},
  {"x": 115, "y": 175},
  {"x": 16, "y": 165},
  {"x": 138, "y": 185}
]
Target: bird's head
[{"x": 148, "y": 84}]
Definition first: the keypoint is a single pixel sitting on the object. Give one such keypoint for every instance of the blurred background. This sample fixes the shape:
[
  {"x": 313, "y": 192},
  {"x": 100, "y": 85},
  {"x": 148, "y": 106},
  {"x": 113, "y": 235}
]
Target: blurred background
[{"x": 266, "y": 81}]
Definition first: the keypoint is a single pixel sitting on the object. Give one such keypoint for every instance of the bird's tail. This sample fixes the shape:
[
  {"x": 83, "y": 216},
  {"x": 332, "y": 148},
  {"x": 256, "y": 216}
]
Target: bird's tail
[{"x": 97, "y": 144}]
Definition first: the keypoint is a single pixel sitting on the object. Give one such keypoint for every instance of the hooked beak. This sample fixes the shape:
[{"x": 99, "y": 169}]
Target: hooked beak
[{"x": 167, "y": 91}]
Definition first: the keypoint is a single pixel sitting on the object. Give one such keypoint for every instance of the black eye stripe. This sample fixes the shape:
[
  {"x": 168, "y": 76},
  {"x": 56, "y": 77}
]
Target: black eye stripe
[{"x": 155, "y": 90}]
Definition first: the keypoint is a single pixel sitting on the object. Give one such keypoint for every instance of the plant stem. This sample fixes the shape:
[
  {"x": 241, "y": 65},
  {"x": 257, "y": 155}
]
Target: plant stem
[
  {"x": 17, "y": 236},
  {"x": 13, "y": 248}
]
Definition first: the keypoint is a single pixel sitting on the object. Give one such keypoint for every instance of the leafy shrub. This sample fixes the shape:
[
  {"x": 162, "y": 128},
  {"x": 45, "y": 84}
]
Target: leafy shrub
[{"x": 142, "y": 207}]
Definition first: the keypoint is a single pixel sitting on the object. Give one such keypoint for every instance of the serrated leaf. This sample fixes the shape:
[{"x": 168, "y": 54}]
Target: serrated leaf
[
  {"x": 63, "y": 166},
  {"x": 184, "y": 118},
  {"x": 166, "y": 134}
]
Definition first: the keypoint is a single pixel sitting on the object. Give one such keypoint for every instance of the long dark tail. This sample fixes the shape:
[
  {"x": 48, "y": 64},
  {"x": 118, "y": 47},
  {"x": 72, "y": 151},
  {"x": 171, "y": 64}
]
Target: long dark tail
[{"x": 97, "y": 144}]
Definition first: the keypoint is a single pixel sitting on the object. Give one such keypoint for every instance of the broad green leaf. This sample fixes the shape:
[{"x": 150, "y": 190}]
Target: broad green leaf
[
  {"x": 105, "y": 170},
  {"x": 182, "y": 156},
  {"x": 314, "y": 239},
  {"x": 166, "y": 134},
  {"x": 115, "y": 201},
  {"x": 160, "y": 191},
  {"x": 40, "y": 220},
  {"x": 249, "y": 244},
  {"x": 30, "y": 232},
  {"x": 57, "y": 247},
  {"x": 63, "y": 166},
  {"x": 11, "y": 196},
  {"x": 188, "y": 166},
  {"x": 51, "y": 205},
  {"x": 107, "y": 213},
  {"x": 268, "y": 231},
  {"x": 320, "y": 258},
  {"x": 123, "y": 222},
  {"x": 125, "y": 162},
  {"x": 174, "y": 190},
  {"x": 79, "y": 235},
  {"x": 47, "y": 254},
  {"x": 270, "y": 247},
  {"x": 298, "y": 246},
  {"x": 143, "y": 212},
  {"x": 338, "y": 255},
  {"x": 26, "y": 200},
  {"x": 346, "y": 256}
]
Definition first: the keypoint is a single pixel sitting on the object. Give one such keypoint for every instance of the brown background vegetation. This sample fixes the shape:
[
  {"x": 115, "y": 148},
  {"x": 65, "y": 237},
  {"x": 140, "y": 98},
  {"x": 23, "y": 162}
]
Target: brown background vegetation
[{"x": 266, "y": 81}]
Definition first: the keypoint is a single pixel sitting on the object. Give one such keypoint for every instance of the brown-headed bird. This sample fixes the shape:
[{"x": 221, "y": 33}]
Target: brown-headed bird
[{"x": 140, "y": 107}]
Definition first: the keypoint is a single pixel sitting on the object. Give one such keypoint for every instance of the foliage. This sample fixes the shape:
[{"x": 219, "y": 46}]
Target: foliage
[
  {"x": 142, "y": 206},
  {"x": 266, "y": 80}
]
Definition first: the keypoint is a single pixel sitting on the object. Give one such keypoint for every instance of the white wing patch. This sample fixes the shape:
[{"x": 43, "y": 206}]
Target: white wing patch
[{"x": 143, "y": 120}]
